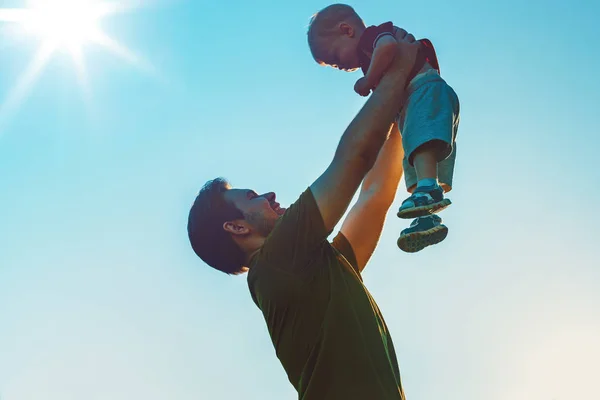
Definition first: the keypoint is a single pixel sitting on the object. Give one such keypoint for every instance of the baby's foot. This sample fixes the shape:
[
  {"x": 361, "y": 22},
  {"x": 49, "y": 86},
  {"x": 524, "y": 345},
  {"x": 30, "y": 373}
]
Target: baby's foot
[
  {"x": 423, "y": 232},
  {"x": 424, "y": 201}
]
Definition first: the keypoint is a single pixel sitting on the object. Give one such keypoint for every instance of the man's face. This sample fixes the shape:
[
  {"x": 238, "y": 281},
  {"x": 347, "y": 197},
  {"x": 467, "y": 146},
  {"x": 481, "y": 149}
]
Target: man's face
[{"x": 261, "y": 212}]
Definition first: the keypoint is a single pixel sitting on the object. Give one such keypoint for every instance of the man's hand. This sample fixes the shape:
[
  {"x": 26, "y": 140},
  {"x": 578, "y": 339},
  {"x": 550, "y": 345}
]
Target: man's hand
[
  {"x": 363, "y": 87},
  {"x": 402, "y": 35}
]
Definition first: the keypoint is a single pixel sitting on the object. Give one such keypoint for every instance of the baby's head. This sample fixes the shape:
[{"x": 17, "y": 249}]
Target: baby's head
[{"x": 333, "y": 36}]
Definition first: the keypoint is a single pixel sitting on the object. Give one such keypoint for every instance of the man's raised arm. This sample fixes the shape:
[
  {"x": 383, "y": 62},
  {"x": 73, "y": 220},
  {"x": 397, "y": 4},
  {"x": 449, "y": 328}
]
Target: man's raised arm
[
  {"x": 362, "y": 140},
  {"x": 363, "y": 225}
]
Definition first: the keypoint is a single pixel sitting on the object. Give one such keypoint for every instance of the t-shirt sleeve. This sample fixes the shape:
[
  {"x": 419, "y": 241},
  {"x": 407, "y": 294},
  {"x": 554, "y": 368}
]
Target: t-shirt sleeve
[
  {"x": 341, "y": 243},
  {"x": 297, "y": 235},
  {"x": 372, "y": 34},
  {"x": 430, "y": 54}
]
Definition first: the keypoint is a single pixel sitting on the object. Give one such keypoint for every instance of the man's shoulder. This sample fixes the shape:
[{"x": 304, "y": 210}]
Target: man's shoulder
[
  {"x": 305, "y": 203},
  {"x": 298, "y": 230}
]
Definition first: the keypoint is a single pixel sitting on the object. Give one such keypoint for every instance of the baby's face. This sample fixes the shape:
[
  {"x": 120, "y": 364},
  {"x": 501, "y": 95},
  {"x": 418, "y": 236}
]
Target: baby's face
[{"x": 342, "y": 53}]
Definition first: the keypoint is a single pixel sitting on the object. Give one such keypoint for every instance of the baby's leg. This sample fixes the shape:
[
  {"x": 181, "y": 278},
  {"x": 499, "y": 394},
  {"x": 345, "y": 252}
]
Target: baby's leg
[
  {"x": 410, "y": 176},
  {"x": 429, "y": 127},
  {"x": 445, "y": 172}
]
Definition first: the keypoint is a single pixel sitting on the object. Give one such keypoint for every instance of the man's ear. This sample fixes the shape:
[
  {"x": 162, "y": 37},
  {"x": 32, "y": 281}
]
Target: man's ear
[
  {"x": 236, "y": 227},
  {"x": 346, "y": 29}
]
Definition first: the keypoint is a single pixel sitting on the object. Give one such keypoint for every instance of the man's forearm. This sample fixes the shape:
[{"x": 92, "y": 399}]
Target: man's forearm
[
  {"x": 382, "y": 179},
  {"x": 367, "y": 132}
]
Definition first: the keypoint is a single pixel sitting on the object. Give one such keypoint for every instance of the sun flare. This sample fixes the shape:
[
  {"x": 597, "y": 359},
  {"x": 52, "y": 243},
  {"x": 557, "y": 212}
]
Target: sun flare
[
  {"x": 63, "y": 25},
  {"x": 67, "y": 23}
]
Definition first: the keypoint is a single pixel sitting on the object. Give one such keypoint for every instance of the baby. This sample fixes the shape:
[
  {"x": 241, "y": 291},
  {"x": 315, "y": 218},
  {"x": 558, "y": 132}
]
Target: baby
[{"x": 428, "y": 116}]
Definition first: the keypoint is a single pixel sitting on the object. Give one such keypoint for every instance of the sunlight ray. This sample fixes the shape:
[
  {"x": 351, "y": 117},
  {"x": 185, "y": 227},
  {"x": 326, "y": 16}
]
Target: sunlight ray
[
  {"x": 124, "y": 6},
  {"x": 81, "y": 71},
  {"x": 27, "y": 79},
  {"x": 9, "y": 34},
  {"x": 110, "y": 8},
  {"x": 14, "y": 14},
  {"x": 120, "y": 50}
]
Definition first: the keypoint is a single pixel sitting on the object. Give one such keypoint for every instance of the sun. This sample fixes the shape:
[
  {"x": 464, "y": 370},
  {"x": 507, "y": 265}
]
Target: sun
[
  {"x": 66, "y": 23},
  {"x": 63, "y": 25}
]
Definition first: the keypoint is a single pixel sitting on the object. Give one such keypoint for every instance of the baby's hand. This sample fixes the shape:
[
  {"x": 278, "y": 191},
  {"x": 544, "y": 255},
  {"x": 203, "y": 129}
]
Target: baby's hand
[{"x": 362, "y": 86}]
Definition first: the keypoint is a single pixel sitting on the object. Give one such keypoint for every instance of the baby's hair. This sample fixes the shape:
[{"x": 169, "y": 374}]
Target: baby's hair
[{"x": 324, "y": 25}]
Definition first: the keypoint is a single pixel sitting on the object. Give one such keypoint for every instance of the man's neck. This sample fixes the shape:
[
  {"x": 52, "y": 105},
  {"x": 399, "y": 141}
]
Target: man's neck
[
  {"x": 250, "y": 255},
  {"x": 250, "y": 246}
]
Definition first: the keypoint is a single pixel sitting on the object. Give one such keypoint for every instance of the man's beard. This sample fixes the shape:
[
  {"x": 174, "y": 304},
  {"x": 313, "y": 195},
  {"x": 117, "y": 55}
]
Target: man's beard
[{"x": 263, "y": 225}]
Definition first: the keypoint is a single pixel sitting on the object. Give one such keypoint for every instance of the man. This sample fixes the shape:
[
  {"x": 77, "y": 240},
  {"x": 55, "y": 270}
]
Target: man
[{"x": 327, "y": 330}]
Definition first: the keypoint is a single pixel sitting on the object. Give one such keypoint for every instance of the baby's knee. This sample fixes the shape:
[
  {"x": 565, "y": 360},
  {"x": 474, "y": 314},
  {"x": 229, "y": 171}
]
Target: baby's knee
[{"x": 439, "y": 148}]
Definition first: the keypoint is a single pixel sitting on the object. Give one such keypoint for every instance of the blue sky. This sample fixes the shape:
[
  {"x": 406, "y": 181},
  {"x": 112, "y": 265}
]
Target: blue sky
[{"x": 102, "y": 298}]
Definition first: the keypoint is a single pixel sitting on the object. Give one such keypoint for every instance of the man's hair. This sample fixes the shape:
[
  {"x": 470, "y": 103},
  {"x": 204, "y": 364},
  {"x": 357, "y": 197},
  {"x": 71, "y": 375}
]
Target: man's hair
[
  {"x": 209, "y": 240},
  {"x": 323, "y": 25}
]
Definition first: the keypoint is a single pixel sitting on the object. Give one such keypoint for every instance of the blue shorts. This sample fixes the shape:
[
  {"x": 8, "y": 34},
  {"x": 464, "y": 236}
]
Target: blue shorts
[{"x": 430, "y": 113}]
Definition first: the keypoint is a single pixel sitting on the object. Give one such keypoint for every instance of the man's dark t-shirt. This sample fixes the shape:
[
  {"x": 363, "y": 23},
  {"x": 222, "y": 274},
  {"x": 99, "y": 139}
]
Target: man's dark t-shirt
[{"x": 326, "y": 328}]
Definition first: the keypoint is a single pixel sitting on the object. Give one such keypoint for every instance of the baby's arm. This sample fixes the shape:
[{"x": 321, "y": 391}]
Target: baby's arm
[{"x": 383, "y": 55}]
